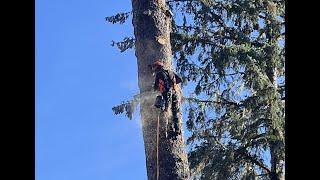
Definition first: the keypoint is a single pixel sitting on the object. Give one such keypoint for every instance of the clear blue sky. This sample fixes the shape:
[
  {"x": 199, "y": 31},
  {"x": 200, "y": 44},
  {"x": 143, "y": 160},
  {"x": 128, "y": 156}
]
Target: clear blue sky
[{"x": 79, "y": 77}]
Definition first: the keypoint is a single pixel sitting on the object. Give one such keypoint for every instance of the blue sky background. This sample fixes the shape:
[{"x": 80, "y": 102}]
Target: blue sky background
[{"x": 79, "y": 78}]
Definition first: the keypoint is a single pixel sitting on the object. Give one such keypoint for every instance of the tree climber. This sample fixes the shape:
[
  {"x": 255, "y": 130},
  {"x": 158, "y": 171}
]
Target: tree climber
[{"x": 166, "y": 82}]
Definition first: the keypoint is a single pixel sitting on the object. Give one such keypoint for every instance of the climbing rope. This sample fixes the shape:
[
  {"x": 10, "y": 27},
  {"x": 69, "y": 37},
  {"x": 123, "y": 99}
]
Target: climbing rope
[{"x": 158, "y": 124}]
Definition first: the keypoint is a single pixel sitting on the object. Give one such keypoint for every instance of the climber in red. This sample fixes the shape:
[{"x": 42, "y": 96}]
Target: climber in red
[{"x": 166, "y": 82}]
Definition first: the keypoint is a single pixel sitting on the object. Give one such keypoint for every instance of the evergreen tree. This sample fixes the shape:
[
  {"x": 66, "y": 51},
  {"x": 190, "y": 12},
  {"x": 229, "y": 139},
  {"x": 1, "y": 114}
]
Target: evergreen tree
[
  {"x": 232, "y": 52},
  {"x": 166, "y": 156}
]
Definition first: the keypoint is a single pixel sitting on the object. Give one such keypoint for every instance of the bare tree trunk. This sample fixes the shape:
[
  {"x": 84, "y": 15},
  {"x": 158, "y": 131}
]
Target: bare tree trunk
[{"x": 152, "y": 32}]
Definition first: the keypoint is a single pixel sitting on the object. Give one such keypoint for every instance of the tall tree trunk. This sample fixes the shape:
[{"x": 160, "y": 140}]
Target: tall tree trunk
[{"x": 152, "y": 32}]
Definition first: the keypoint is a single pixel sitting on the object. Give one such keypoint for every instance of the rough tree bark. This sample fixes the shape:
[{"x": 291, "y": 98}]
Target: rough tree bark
[{"x": 152, "y": 33}]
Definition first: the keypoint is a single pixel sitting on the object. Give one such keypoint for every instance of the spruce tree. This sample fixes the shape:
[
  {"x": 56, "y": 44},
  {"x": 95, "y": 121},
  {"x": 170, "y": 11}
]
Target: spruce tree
[{"x": 232, "y": 53}]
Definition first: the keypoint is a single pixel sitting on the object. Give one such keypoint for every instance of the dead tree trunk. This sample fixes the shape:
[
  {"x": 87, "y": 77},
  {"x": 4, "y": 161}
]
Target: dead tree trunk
[{"x": 152, "y": 33}]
